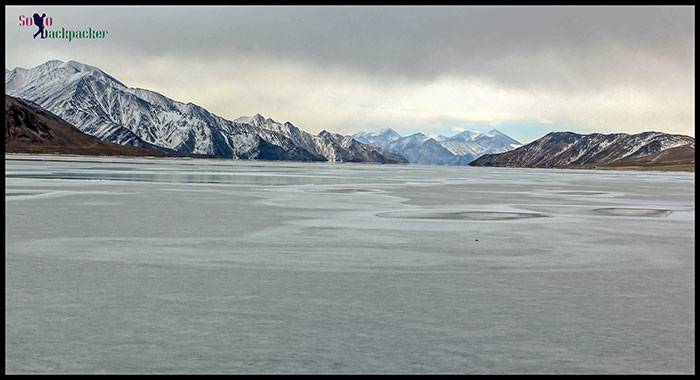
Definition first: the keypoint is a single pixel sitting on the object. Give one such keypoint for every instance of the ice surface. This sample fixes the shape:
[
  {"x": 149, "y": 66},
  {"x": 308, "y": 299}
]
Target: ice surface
[{"x": 212, "y": 266}]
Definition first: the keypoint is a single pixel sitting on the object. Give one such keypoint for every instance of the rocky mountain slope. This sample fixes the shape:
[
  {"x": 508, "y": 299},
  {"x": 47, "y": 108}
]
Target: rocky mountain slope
[
  {"x": 568, "y": 149},
  {"x": 31, "y": 129}
]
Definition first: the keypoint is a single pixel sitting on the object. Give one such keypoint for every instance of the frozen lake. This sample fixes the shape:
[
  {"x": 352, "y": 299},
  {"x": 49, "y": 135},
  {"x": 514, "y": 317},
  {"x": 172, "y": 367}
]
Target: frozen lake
[{"x": 213, "y": 266}]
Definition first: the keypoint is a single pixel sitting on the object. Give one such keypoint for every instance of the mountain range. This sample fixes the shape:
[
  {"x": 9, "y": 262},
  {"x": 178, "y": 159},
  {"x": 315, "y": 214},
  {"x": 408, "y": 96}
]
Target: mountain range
[
  {"x": 459, "y": 149},
  {"x": 102, "y": 106},
  {"x": 62, "y": 104},
  {"x": 572, "y": 150}
]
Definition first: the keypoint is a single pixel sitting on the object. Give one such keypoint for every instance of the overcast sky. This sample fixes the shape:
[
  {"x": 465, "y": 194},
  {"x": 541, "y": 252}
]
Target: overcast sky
[{"x": 523, "y": 70}]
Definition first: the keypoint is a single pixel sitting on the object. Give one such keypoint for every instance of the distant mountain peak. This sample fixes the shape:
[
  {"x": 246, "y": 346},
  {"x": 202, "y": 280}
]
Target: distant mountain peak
[
  {"x": 385, "y": 131},
  {"x": 74, "y": 66},
  {"x": 494, "y": 131},
  {"x": 255, "y": 120},
  {"x": 379, "y": 138},
  {"x": 459, "y": 149},
  {"x": 466, "y": 135},
  {"x": 80, "y": 66},
  {"x": 51, "y": 63},
  {"x": 258, "y": 119}
]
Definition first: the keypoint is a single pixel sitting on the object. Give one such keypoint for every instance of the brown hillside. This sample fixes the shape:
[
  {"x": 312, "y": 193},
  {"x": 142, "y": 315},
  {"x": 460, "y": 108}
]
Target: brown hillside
[{"x": 31, "y": 129}]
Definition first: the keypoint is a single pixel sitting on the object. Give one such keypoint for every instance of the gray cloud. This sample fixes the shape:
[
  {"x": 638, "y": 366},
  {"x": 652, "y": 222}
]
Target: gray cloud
[
  {"x": 417, "y": 42},
  {"x": 564, "y": 51}
]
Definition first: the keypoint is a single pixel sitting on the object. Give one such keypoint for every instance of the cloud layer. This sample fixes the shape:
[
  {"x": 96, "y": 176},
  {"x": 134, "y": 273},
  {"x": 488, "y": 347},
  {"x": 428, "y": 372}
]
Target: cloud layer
[{"x": 346, "y": 69}]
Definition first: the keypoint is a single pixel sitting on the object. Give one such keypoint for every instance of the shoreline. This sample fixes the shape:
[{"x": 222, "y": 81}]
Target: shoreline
[{"x": 686, "y": 168}]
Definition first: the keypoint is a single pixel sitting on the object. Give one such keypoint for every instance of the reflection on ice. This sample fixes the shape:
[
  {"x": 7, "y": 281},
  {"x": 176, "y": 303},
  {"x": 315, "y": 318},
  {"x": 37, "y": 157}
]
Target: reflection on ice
[
  {"x": 461, "y": 215},
  {"x": 632, "y": 212}
]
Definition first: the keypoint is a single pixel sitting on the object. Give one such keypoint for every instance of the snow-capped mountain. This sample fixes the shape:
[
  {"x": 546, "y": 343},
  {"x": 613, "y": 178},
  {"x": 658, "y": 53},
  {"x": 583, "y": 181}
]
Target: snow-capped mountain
[
  {"x": 381, "y": 138},
  {"x": 466, "y": 135},
  {"x": 55, "y": 86},
  {"x": 478, "y": 143},
  {"x": 568, "y": 149},
  {"x": 421, "y": 149},
  {"x": 495, "y": 141},
  {"x": 459, "y": 149},
  {"x": 101, "y": 106}
]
